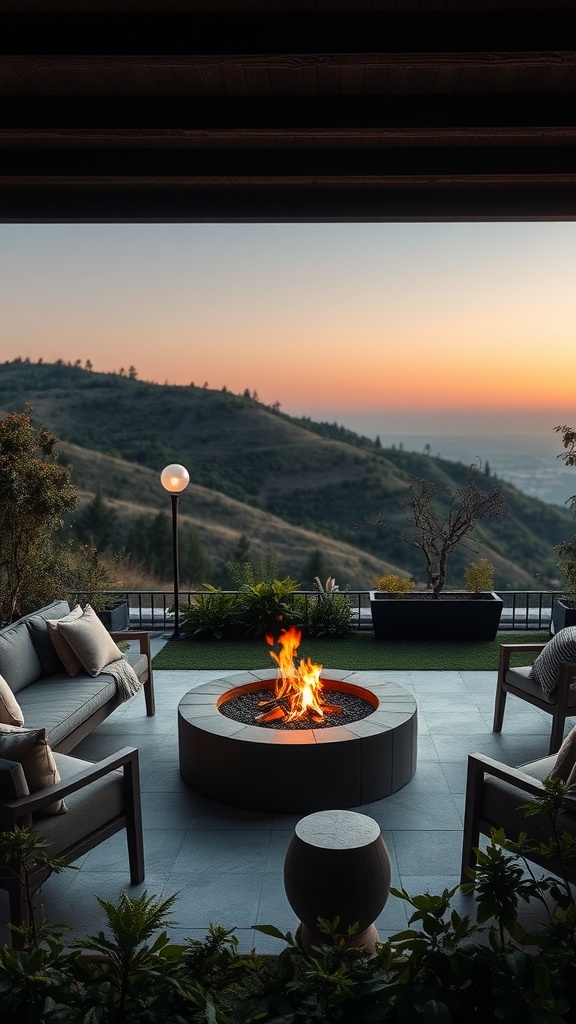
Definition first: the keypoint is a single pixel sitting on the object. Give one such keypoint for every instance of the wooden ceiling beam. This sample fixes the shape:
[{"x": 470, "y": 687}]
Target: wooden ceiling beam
[
  {"x": 518, "y": 162},
  {"x": 149, "y": 205},
  {"x": 234, "y": 35},
  {"x": 58, "y": 114}
]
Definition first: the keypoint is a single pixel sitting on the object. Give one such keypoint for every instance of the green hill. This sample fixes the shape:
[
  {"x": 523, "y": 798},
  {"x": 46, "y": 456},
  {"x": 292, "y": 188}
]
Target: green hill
[{"x": 293, "y": 487}]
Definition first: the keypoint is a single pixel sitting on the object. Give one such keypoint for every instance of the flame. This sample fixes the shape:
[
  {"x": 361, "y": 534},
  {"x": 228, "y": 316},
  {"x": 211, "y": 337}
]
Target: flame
[{"x": 298, "y": 686}]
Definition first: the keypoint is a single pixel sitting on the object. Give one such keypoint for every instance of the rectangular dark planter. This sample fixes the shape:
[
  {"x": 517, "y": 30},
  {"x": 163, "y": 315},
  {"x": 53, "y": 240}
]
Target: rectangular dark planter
[
  {"x": 423, "y": 617},
  {"x": 562, "y": 615},
  {"x": 117, "y": 618}
]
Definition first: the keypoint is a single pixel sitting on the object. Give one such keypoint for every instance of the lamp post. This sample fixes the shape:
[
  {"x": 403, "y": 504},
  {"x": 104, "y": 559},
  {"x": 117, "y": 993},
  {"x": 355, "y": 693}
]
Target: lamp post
[{"x": 175, "y": 479}]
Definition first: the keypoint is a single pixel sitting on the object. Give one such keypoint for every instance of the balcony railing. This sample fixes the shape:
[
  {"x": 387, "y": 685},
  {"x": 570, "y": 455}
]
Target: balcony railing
[{"x": 151, "y": 609}]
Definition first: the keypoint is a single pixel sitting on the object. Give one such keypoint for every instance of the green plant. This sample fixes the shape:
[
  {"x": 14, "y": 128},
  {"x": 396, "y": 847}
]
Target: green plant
[
  {"x": 393, "y": 584},
  {"x": 21, "y": 851},
  {"x": 328, "y": 614},
  {"x": 37, "y": 492},
  {"x": 479, "y": 576},
  {"x": 213, "y": 615},
  {"x": 266, "y": 608}
]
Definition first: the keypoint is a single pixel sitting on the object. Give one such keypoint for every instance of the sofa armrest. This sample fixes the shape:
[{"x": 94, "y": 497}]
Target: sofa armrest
[{"x": 143, "y": 639}]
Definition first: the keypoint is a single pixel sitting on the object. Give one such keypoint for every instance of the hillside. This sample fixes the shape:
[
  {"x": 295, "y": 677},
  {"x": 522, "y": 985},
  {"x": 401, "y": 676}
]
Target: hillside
[{"x": 255, "y": 469}]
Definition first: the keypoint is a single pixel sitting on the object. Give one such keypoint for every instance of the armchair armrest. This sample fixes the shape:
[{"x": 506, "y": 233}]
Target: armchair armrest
[
  {"x": 482, "y": 764},
  {"x": 507, "y": 650},
  {"x": 143, "y": 639},
  {"x": 126, "y": 758}
]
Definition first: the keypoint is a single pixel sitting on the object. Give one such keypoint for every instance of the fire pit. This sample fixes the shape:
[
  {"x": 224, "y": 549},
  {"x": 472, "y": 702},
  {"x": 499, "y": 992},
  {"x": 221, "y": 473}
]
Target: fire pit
[{"x": 319, "y": 766}]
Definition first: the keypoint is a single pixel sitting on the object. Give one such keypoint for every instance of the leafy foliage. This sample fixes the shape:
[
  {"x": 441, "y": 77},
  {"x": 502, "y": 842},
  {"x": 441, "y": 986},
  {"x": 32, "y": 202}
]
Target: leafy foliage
[
  {"x": 36, "y": 493},
  {"x": 479, "y": 576}
]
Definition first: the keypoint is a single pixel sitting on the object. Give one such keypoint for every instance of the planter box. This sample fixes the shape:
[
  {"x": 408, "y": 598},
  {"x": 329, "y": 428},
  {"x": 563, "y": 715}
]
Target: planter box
[
  {"x": 117, "y": 618},
  {"x": 423, "y": 617},
  {"x": 562, "y": 615}
]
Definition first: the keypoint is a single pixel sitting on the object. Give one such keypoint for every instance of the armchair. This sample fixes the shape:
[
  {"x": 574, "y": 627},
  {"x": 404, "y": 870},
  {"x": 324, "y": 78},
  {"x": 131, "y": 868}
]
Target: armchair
[
  {"x": 494, "y": 795},
  {"x": 101, "y": 799},
  {"x": 561, "y": 704}
]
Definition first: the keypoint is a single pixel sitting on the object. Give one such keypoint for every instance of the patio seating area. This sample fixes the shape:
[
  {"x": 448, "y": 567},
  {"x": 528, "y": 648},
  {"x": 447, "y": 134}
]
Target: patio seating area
[{"x": 227, "y": 864}]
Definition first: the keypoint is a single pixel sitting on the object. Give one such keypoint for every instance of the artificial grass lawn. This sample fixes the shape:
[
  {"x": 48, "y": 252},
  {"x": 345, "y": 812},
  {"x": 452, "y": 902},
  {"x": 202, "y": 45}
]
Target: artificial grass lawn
[{"x": 358, "y": 652}]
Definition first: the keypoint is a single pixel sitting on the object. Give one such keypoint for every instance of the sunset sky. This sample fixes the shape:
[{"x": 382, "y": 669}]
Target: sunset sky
[{"x": 451, "y": 328}]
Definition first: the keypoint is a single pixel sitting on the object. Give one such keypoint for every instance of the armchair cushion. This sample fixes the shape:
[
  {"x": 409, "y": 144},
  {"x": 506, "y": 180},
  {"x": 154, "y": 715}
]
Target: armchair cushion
[
  {"x": 560, "y": 649},
  {"x": 31, "y": 749},
  {"x": 10, "y": 710},
  {"x": 89, "y": 641},
  {"x": 13, "y": 785}
]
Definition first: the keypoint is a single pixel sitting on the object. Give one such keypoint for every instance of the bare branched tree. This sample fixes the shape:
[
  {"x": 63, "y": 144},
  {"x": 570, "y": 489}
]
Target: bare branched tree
[{"x": 436, "y": 535}]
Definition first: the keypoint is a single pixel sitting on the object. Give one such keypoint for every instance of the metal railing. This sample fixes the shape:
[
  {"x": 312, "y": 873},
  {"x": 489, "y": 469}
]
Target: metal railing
[{"x": 151, "y": 609}]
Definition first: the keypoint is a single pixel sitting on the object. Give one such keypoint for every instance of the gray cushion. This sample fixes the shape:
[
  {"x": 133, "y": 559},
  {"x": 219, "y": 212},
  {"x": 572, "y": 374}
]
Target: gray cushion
[
  {"x": 559, "y": 650},
  {"x": 37, "y": 626},
  {"x": 501, "y": 805},
  {"x": 31, "y": 748},
  {"x": 88, "y": 808},
  {"x": 60, "y": 703},
  {"x": 13, "y": 785},
  {"x": 19, "y": 661},
  {"x": 521, "y": 678}
]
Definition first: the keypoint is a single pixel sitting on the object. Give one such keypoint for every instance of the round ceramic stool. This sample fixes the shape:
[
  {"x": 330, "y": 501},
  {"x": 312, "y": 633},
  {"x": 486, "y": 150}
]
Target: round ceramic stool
[{"x": 337, "y": 865}]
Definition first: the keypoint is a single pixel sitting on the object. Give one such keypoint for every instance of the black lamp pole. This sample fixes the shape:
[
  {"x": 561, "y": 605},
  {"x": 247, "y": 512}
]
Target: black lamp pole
[
  {"x": 175, "y": 479},
  {"x": 176, "y": 630}
]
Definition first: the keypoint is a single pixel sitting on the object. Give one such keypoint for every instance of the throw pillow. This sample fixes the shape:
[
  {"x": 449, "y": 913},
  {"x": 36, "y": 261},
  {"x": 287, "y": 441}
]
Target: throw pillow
[
  {"x": 37, "y": 626},
  {"x": 546, "y": 669},
  {"x": 10, "y": 710},
  {"x": 565, "y": 758},
  {"x": 69, "y": 659},
  {"x": 90, "y": 641},
  {"x": 31, "y": 748}
]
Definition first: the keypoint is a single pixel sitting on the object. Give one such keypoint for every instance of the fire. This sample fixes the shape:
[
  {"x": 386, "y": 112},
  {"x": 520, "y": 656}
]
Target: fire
[{"x": 298, "y": 689}]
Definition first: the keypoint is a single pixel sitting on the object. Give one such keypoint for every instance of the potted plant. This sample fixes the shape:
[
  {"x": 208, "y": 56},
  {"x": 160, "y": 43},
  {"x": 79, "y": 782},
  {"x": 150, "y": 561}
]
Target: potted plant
[
  {"x": 564, "y": 607},
  {"x": 402, "y": 613}
]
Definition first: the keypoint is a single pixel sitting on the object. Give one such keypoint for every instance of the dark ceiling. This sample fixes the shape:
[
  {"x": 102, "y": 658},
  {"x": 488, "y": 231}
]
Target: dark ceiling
[{"x": 142, "y": 110}]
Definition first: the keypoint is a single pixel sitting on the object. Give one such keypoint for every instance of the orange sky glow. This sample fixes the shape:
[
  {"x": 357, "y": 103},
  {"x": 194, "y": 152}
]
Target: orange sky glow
[{"x": 332, "y": 321}]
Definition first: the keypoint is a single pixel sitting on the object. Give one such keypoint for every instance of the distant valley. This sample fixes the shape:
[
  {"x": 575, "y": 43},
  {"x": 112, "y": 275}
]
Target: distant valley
[{"x": 288, "y": 486}]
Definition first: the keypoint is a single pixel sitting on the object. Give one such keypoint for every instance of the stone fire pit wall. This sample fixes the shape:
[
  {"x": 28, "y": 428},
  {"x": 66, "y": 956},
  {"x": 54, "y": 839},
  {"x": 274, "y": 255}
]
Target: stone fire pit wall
[{"x": 294, "y": 771}]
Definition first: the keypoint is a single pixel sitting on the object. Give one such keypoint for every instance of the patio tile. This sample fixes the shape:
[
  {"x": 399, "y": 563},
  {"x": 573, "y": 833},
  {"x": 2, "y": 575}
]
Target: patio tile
[{"x": 227, "y": 863}]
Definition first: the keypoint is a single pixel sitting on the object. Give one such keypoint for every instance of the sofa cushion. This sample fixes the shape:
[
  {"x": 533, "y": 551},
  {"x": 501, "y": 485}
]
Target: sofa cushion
[
  {"x": 89, "y": 639},
  {"x": 31, "y": 748},
  {"x": 37, "y": 626},
  {"x": 61, "y": 704},
  {"x": 19, "y": 661},
  {"x": 65, "y": 652},
  {"x": 10, "y": 710}
]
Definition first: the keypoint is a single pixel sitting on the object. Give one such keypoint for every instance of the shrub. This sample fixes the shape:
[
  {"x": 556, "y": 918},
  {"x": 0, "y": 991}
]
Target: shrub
[
  {"x": 393, "y": 584},
  {"x": 479, "y": 576}
]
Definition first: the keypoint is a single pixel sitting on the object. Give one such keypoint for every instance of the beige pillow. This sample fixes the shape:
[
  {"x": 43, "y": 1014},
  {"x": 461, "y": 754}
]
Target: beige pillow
[
  {"x": 90, "y": 641},
  {"x": 31, "y": 748},
  {"x": 69, "y": 659},
  {"x": 10, "y": 710},
  {"x": 565, "y": 758}
]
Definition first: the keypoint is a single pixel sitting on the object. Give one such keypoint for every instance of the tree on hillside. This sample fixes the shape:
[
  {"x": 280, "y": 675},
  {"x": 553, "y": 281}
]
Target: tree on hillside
[
  {"x": 36, "y": 492},
  {"x": 97, "y": 526}
]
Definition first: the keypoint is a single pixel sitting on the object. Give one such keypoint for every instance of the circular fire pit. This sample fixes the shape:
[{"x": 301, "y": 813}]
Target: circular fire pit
[{"x": 290, "y": 771}]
